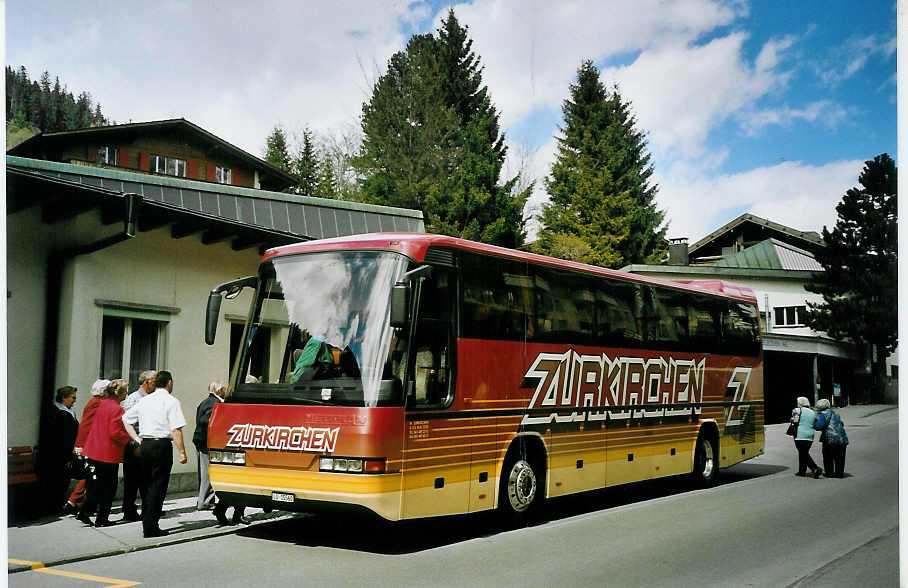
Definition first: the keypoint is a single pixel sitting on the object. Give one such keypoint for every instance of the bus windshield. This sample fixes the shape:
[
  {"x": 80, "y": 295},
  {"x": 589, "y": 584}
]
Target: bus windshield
[{"x": 319, "y": 332}]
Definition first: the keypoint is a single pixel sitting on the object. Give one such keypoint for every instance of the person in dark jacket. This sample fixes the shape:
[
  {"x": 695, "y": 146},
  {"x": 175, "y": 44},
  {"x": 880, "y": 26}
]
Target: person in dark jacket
[
  {"x": 200, "y": 440},
  {"x": 55, "y": 448}
]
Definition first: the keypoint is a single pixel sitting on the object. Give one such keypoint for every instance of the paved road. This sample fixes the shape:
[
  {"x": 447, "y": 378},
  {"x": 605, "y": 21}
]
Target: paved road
[{"x": 762, "y": 526}]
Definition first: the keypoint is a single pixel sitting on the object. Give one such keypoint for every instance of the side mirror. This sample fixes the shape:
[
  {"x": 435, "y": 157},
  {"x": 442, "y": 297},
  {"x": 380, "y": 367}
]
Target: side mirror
[
  {"x": 400, "y": 295},
  {"x": 232, "y": 290},
  {"x": 211, "y": 316}
]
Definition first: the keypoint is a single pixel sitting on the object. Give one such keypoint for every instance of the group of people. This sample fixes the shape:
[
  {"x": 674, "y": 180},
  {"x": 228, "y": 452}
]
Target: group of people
[
  {"x": 138, "y": 430},
  {"x": 806, "y": 422}
]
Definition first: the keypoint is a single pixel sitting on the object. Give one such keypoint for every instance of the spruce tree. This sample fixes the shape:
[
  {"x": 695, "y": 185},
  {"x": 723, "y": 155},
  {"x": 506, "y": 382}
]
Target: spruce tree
[
  {"x": 305, "y": 167},
  {"x": 859, "y": 283},
  {"x": 599, "y": 186},
  {"x": 276, "y": 152},
  {"x": 327, "y": 181},
  {"x": 431, "y": 141}
]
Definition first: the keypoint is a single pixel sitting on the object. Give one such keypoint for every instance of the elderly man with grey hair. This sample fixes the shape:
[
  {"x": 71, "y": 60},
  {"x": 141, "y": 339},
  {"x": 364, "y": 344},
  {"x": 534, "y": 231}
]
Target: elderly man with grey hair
[
  {"x": 200, "y": 440},
  {"x": 133, "y": 480}
]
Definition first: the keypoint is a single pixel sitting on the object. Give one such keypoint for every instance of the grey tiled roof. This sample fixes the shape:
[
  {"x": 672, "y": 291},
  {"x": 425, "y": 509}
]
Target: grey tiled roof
[{"x": 304, "y": 217}]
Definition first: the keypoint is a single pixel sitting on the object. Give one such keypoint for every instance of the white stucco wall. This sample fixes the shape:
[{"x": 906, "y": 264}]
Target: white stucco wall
[{"x": 150, "y": 269}]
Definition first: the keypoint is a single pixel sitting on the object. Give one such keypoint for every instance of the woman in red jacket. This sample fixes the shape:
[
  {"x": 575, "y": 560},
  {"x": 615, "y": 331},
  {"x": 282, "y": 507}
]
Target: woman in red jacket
[
  {"x": 104, "y": 450},
  {"x": 88, "y": 417}
]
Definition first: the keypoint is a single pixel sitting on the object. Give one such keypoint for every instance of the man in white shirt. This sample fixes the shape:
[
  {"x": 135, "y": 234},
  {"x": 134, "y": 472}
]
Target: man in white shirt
[
  {"x": 133, "y": 480},
  {"x": 161, "y": 422}
]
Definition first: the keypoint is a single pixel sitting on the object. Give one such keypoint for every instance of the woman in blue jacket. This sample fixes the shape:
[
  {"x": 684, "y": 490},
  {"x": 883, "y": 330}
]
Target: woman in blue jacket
[
  {"x": 833, "y": 438},
  {"x": 804, "y": 417}
]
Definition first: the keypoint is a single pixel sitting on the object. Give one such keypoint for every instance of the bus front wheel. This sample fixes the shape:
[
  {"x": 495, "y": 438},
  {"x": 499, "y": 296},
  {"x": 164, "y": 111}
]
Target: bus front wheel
[
  {"x": 521, "y": 488},
  {"x": 706, "y": 464}
]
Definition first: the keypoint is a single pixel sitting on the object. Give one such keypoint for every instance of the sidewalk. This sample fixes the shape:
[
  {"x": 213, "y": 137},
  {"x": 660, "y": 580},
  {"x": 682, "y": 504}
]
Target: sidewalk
[{"x": 54, "y": 541}]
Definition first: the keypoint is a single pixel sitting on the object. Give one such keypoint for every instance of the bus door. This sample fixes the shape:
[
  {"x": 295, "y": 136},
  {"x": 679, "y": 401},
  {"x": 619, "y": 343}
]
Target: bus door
[{"x": 436, "y": 459}]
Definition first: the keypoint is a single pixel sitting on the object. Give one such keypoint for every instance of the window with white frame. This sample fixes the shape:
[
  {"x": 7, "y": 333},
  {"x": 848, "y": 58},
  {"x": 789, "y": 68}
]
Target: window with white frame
[
  {"x": 107, "y": 155},
  {"x": 130, "y": 346},
  {"x": 789, "y": 316},
  {"x": 222, "y": 175},
  {"x": 171, "y": 166}
]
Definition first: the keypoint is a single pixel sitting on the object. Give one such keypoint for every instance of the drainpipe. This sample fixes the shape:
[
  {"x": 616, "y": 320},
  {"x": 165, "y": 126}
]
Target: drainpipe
[{"x": 56, "y": 264}]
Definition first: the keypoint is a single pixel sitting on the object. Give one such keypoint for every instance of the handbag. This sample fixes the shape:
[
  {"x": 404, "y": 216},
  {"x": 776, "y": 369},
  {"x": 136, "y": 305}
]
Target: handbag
[
  {"x": 793, "y": 425},
  {"x": 77, "y": 468}
]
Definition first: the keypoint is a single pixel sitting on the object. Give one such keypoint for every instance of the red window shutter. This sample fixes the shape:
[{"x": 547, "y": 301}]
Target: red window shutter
[
  {"x": 192, "y": 169},
  {"x": 209, "y": 171},
  {"x": 123, "y": 158},
  {"x": 144, "y": 161},
  {"x": 237, "y": 178}
]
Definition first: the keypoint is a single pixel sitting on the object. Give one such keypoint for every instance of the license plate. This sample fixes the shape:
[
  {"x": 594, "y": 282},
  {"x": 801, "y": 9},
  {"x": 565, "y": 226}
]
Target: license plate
[{"x": 282, "y": 497}]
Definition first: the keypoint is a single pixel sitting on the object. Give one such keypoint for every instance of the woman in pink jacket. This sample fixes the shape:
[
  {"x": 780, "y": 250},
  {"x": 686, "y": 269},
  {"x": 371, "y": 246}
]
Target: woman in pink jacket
[{"x": 104, "y": 449}]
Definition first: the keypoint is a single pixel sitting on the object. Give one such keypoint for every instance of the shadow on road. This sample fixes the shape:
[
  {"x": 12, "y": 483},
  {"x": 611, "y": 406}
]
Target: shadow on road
[{"x": 370, "y": 533}]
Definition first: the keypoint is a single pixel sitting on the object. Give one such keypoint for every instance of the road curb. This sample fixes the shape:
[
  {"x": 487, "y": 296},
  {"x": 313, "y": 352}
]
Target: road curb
[{"x": 16, "y": 568}]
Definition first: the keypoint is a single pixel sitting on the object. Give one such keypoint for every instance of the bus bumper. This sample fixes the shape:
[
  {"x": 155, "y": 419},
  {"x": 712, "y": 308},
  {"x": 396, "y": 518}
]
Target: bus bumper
[{"x": 256, "y": 486}]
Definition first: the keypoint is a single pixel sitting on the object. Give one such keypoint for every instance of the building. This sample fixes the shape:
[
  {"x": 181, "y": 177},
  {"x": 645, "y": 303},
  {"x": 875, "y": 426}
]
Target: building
[
  {"x": 110, "y": 258},
  {"x": 776, "y": 262},
  {"x": 174, "y": 147}
]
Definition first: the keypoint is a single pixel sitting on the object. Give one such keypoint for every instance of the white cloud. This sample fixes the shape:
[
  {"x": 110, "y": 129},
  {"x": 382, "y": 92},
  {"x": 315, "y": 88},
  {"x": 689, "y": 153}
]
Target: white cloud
[
  {"x": 825, "y": 112},
  {"x": 681, "y": 93},
  {"x": 855, "y": 54},
  {"x": 236, "y": 72},
  {"x": 531, "y": 50},
  {"x": 792, "y": 193}
]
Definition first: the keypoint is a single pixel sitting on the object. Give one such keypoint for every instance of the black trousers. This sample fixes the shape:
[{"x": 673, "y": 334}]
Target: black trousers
[
  {"x": 100, "y": 489},
  {"x": 157, "y": 461},
  {"x": 133, "y": 480},
  {"x": 804, "y": 459},
  {"x": 54, "y": 488},
  {"x": 834, "y": 460}
]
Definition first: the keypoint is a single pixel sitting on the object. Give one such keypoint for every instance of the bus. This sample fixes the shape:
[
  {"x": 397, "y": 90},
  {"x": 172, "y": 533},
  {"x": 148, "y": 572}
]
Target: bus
[{"x": 418, "y": 375}]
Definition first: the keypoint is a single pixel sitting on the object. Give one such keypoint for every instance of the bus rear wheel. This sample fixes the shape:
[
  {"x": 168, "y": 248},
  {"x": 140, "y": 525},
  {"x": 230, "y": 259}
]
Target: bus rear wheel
[
  {"x": 706, "y": 464},
  {"x": 521, "y": 488}
]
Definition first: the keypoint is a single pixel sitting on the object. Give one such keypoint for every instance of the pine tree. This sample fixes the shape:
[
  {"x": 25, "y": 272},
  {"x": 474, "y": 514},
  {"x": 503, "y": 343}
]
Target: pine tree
[
  {"x": 431, "y": 141},
  {"x": 276, "y": 151},
  {"x": 859, "y": 283},
  {"x": 599, "y": 184},
  {"x": 38, "y": 106},
  {"x": 327, "y": 180},
  {"x": 305, "y": 167},
  {"x": 98, "y": 120}
]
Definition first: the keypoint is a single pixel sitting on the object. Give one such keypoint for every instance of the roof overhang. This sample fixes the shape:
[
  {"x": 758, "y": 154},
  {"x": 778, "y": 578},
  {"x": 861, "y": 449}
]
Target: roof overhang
[{"x": 244, "y": 216}]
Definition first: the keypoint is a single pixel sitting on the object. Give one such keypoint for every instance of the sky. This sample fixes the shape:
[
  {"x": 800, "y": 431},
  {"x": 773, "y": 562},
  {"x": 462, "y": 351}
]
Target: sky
[{"x": 769, "y": 107}]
